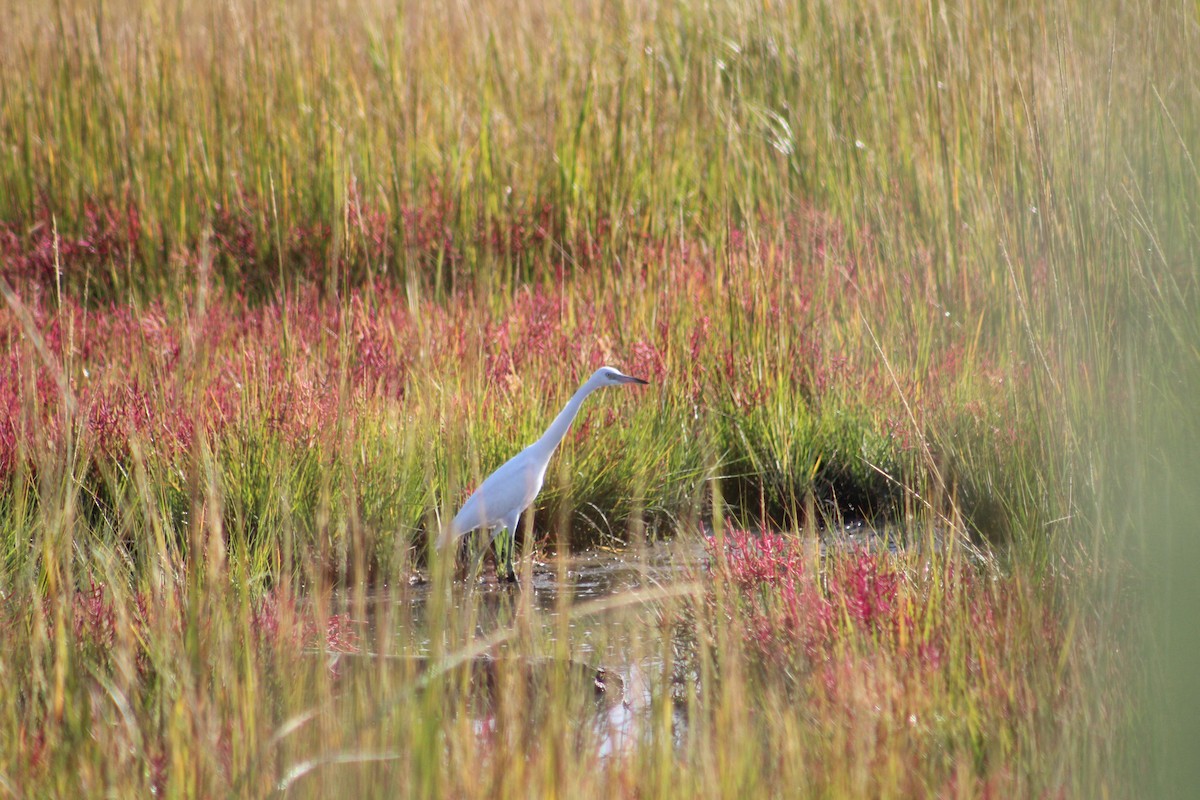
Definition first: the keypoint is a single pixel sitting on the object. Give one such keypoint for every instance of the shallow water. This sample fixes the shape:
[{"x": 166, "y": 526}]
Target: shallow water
[
  {"x": 589, "y": 576},
  {"x": 593, "y": 575},
  {"x": 614, "y": 655},
  {"x": 628, "y": 644}
]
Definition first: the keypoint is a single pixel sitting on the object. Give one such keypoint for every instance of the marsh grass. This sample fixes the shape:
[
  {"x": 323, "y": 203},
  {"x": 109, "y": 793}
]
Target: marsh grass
[{"x": 283, "y": 281}]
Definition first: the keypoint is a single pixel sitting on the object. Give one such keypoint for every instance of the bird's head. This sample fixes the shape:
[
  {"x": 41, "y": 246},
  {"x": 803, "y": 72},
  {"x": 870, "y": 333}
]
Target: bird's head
[{"x": 607, "y": 376}]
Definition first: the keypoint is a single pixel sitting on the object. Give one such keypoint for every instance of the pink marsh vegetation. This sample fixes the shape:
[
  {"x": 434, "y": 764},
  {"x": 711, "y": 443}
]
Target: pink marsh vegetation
[
  {"x": 308, "y": 362},
  {"x": 894, "y": 655}
]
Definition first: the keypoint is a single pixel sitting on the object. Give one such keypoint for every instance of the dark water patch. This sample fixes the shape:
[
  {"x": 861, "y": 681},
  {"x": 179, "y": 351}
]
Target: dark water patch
[
  {"x": 484, "y": 675},
  {"x": 621, "y": 659}
]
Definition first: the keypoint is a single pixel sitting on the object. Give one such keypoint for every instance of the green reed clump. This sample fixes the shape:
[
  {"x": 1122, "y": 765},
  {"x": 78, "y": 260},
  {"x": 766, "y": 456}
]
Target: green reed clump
[{"x": 283, "y": 282}]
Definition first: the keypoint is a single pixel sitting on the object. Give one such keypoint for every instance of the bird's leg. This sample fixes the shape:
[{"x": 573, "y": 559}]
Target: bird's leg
[
  {"x": 496, "y": 546},
  {"x": 477, "y": 567},
  {"x": 510, "y": 545},
  {"x": 504, "y": 548},
  {"x": 511, "y": 575}
]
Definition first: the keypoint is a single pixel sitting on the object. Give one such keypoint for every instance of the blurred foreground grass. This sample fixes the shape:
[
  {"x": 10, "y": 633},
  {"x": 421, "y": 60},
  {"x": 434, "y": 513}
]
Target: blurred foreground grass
[{"x": 282, "y": 280}]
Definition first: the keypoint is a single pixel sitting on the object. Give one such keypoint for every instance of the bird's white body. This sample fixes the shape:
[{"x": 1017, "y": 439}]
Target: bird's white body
[
  {"x": 502, "y": 497},
  {"x": 499, "y": 501}
]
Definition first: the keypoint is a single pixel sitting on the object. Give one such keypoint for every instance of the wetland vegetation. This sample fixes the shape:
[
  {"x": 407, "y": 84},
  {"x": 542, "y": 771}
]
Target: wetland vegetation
[{"x": 282, "y": 282}]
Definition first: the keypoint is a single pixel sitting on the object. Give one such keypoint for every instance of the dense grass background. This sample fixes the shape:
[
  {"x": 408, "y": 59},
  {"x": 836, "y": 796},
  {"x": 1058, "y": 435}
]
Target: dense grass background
[{"x": 283, "y": 280}]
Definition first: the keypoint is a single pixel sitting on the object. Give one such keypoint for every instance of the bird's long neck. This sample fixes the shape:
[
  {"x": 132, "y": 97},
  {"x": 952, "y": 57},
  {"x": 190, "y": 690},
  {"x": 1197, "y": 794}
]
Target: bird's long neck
[{"x": 558, "y": 428}]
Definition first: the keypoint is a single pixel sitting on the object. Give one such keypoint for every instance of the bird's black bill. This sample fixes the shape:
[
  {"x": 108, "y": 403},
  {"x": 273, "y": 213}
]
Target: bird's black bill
[{"x": 637, "y": 380}]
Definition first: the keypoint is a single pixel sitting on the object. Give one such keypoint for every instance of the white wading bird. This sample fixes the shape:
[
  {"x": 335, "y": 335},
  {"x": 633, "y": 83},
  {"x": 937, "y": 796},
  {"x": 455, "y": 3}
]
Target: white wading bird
[{"x": 497, "y": 504}]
